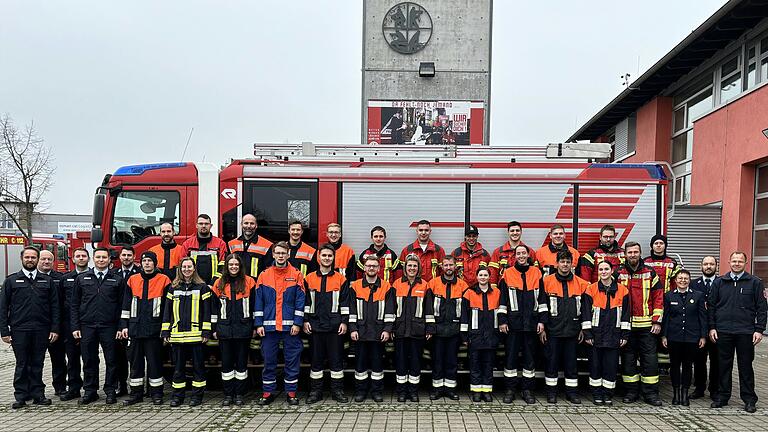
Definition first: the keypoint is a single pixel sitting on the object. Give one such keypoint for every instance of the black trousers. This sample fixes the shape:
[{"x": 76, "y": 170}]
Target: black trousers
[
  {"x": 641, "y": 346},
  {"x": 408, "y": 354},
  {"x": 234, "y": 365},
  {"x": 481, "y": 370},
  {"x": 182, "y": 353},
  {"x": 369, "y": 356},
  {"x": 147, "y": 358},
  {"x": 122, "y": 357},
  {"x": 29, "y": 349},
  {"x": 326, "y": 346},
  {"x": 72, "y": 350},
  {"x": 517, "y": 342},
  {"x": 700, "y": 368},
  {"x": 603, "y": 369},
  {"x": 681, "y": 355},
  {"x": 92, "y": 338},
  {"x": 741, "y": 345},
  {"x": 58, "y": 356},
  {"x": 445, "y": 361},
  {"x": 560, "y": 352}
]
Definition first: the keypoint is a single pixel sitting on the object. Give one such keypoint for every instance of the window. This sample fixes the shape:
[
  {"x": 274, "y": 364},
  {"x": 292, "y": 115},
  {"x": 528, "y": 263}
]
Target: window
[
  {"x": 690, "y": 104},
  {"x": 760, "y": 237},
  {"x": 730, "y": 79},
  {"x": 275, "y": 204},
  {"x": 6, "y": 222},
  {"x": 139, "y": 214}
]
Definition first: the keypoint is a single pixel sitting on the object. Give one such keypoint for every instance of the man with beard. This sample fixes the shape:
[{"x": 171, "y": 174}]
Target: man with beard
[
  {"x": 430, "y": 253},
  {"x": 253, "y": 249},
  {"x": 607, "y": 250},
  {"x": 345, "y": 262},
  {"x": 704, "y": 286},
  {"x": 206, "y": 249},
  {"x": 647, "y": 302},
  {"x": 56, "y": 349},
  {"x": 470, "y": 256},
  {"x": 29, "y": 321},
  {"x": 168, "y": 252},
  {"x": 448, "y": 291}
]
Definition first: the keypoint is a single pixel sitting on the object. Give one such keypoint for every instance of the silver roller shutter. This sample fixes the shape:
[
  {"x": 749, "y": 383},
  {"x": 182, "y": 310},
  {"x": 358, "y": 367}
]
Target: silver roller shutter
[{"x": 694, "y": 232}]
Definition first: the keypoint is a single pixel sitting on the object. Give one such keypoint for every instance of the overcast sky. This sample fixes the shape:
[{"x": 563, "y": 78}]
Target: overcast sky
[{"x": 110, "y": 84}]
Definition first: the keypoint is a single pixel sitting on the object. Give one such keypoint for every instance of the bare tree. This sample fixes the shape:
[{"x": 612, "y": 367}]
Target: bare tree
[{"x": 25, "y": 174}]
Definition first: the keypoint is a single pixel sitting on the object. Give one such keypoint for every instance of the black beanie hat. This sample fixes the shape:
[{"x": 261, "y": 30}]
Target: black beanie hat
[
  {"x": 151, "y": 255},
  {"x": 659, "y": 237}
]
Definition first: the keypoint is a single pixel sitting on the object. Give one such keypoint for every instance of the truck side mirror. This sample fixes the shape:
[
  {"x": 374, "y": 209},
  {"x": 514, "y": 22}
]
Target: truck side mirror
[
  {"x": 97, "y": 235},
  {"x": 98, "y": 208}
]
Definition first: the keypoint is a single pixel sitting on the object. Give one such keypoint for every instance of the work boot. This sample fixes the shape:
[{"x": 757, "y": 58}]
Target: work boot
[
  {"x": 195, "y": 401},
  {"x": 359, "y": 396},
  {"x": 630, "y": 398},
  {"x": 675, "y": 395},
  {"x": 697, "y": 394},
  {"x": 476, "y": 397},
  {"x": 450, "y": 394},
  {"x": 509, "y": 396},
  {"x": 239, "y": 400},
  {"x": 435, "y": 394},
  {"x": 377, "y": 396},
  {"x": 528, "y": 397},
  {"x": 597, "y": 397},
  {"x": 653, "y": 400},
  {"x": 551, "y": 397},
  {"x": 291, "y": 398},
  {"x": 684, "y": 400},
  {"x": 175, "y": 402},
  {"x": 133, "y": 399},
  {"x": 266, "y": 399},
  {"x": 227, "y": 401},
  {"x": 573, "y": 398},
  {"x": 338, "y": 396},
  {"x": 314, "y": 397},
  {"x": 413, "y": 393},
  {"x": 607, "y": 397}
]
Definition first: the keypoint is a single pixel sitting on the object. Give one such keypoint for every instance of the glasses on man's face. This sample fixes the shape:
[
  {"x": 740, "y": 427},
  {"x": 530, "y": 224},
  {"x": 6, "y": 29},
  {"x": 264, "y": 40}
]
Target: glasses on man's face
[{"x": 371, "y": 266}]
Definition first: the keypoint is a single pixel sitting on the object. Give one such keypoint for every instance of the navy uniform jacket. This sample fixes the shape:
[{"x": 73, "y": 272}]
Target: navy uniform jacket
[
  {"x": 737, "y": 307},
  {"x": 685, "y": 316},
  {"x": 29, "y": 305},
  {"x": 700, "y": 286},
  {"x": 96, "y": 304}
]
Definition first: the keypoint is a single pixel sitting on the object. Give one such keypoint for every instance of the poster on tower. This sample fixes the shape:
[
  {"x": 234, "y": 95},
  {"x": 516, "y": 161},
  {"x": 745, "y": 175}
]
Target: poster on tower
[{"x": 410, "y": 122}]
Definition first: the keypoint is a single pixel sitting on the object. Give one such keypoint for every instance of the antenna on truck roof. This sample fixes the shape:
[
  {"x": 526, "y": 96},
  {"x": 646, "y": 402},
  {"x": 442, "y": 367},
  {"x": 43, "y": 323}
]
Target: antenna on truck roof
[{"x": 310, "y": 151}]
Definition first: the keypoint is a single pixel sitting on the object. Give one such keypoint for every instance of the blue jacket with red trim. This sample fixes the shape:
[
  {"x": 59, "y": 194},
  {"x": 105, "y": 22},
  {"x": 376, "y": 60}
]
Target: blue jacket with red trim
[{"x": 279, "y": 299}]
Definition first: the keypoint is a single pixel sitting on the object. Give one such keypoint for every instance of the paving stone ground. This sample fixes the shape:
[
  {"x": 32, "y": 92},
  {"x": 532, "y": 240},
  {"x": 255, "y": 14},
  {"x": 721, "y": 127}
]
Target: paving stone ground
[{"x": 425, "y": 416}]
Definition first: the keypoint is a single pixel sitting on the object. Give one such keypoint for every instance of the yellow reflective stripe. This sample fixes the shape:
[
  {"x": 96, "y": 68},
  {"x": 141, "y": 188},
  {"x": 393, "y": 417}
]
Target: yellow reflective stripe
[
  {"x": 179, "y": 385},
  {"x": 206, "y": 296},
  {"x": 176, "y": 318},
  {"x": 166, "y": 326},
  {"x": 303, "y": 269},
  {"x": 198, "y": 384},
  {"x": 255, "y": 267},
  {"x": 169, "y": 296},
  {"x": 632, "y": 378},
  {"x": 589, "y": 258},
  {"x": 195, "y": 311},
  {"x": 206, "y": 326},
  {"x": 650, "y": 379},
  {"x": 646, "y": 294}
]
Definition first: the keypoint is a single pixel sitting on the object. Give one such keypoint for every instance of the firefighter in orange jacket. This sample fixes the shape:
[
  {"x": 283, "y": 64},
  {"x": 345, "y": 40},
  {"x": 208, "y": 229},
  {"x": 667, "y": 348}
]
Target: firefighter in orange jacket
[
  {"x": 480, "y": 330},
  {"x": 647, "y": 300},
  {"x": 142, "y": 319},
  {"x": 560, "y": 327},
  {"x": 302, "y": 255},
  {"x": 606, "y": 314},
  {"x": 326, "y": 317},
  {"x": 168, "y": 252},
  {"x": 447, "y": 291},
  {"x": 371, "y": 316},
  {"x": 254, "y": 250},
  {"x": 607, "y": 250},
  {"x": 345, "y": 261},
  {"x": 504, "y": 255},
  {"x": 546, "y": 257},
  {"x": 470, "y": 256},
  {"x": 389, "y": 264},
  {"x": 430, "y": 253},
  {"x": 522, "y": 290},
  {"x": 206, "y": 249},
  {"x": 414, "y": 321}
]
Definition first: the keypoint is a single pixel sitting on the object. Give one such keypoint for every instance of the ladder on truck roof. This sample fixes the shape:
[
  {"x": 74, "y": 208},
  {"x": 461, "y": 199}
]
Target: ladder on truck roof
[{"x": 308, "y": 151}]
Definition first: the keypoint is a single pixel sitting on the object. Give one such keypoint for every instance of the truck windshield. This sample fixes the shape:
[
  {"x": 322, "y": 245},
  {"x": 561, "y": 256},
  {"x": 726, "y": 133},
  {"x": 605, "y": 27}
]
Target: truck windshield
[{"x": 139, "y": 214}]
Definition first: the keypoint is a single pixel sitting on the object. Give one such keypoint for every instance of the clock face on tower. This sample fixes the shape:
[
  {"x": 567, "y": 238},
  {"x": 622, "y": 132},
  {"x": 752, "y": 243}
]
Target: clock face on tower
[{"x": 407, "y": 27}]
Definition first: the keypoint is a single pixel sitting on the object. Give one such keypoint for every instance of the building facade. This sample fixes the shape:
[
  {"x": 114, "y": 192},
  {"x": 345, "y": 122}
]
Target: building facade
[
  {"x": 426, "y": 71},
  {"x": 703, "y": 108}
]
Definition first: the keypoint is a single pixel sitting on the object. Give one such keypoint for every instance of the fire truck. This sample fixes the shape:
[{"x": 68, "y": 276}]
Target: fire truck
[
  {"x": 11, "y": 246},
  {"x": 391, "y": 186}
]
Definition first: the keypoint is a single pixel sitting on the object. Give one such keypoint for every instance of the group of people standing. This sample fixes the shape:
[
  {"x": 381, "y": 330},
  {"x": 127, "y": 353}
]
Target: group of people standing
[{"x": 251, "y": 293}]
